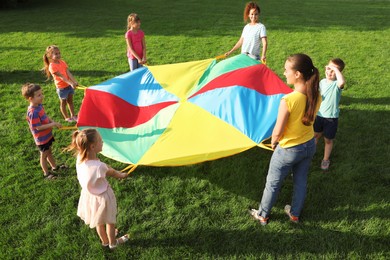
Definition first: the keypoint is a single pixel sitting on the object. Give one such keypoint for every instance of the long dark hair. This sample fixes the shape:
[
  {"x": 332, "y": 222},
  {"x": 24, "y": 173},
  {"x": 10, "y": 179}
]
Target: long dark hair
[{"x": 303, "y": 63}]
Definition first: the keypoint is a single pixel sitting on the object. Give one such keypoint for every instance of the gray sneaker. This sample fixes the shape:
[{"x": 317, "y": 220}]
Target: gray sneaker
[{"x": 325, "y": 165}]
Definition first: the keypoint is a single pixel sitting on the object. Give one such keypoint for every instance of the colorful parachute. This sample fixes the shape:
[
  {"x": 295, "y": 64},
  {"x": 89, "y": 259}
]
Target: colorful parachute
[{"x": 184, "y": 113}]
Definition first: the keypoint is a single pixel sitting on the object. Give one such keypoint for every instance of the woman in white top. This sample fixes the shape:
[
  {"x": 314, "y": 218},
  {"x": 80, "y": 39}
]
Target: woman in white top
[{"x": 253, "y": 35}]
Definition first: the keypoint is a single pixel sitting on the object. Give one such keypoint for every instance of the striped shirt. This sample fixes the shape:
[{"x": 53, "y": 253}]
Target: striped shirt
[
  {"x": 252, "y": 35},
  {"x": 36, "y": 116}
]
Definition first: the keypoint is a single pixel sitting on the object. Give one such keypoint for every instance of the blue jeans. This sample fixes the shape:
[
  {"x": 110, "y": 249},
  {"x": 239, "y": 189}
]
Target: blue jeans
[
  {"x": 134, "y": 64},
  {"x": 297, "y": 159}
]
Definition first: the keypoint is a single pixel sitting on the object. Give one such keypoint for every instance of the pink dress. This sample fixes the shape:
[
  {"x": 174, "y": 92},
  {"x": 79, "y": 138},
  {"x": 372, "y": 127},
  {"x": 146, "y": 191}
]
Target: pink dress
[{"x": 97, "y": 203}]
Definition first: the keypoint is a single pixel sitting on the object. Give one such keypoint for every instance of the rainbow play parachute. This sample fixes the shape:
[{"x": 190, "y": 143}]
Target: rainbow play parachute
[{"x": 184, "y": 113}]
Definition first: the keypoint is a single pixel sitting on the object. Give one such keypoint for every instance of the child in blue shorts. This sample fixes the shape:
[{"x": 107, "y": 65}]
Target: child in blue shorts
[
  {"x": 63, "y": 79},
  {"x": 327, "y": 117}
]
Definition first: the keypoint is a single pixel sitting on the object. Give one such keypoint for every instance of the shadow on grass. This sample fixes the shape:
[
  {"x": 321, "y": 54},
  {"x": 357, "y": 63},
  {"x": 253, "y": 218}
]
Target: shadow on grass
[
  {"x": 364, "y": 101},
  {"x": 191, "y": 18},
  {"x": 36, "y": 76},
  {"x": 261, "y": 240}
]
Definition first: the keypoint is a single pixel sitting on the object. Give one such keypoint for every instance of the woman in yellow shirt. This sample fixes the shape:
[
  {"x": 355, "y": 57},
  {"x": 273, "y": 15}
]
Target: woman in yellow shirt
[{"x": 292, "y": 138}]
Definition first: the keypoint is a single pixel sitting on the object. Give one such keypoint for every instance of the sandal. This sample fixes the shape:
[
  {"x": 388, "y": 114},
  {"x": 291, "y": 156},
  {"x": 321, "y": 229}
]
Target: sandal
[
  {"x": 123, "y": 239},
  {"x": 116, "y": 234},
  {"x": 59, "y": 167},
  {"x": 49, "y": 176}
]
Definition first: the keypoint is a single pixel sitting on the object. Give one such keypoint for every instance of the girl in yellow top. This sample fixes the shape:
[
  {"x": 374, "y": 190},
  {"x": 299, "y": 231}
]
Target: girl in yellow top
[{"x": 292, "y": 138}]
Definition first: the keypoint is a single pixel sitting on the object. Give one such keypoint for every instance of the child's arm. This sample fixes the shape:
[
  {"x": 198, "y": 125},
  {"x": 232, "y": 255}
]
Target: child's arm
[
  {"x": 70, "y": 75},
  {"x": 283, "y": 115},
  {"x": 69, "y": 81},
  {"x": 49, "y": 125},
  {"x": 238, "y": 45},
  {"x": 339, "y": 76},
  {"x": 130, "y": 46},
  {"x": 264, "y": 50},
  {"x": 116, "y": 174},
  {"x": 143, "y": 51}
]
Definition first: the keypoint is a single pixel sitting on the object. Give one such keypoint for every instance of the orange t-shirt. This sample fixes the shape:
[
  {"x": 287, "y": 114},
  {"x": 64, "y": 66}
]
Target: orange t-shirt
[{"x": 62, "y": 68}]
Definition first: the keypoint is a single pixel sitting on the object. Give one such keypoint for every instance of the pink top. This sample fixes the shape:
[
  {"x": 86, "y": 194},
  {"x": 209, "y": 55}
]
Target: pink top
[
  {"x": 92, "y": 176},
  {"x": 136, "y": 42}
]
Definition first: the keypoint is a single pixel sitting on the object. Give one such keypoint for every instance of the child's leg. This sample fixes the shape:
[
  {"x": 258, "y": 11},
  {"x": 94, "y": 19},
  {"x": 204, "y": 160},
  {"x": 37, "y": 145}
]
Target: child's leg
[
  {"x": 328, "y": 148},
  {"x": 50, "y": 159},
  {"x": 317, "y": 136},
  {"x": 101, "y": 230},
  {"x": 43, "y": 161},
  {"x": 112, "y": 233},
  {"x": 110, "y": 228},
  {"x": 69, "y": 100},
  {"x": 63, "y": 108}
]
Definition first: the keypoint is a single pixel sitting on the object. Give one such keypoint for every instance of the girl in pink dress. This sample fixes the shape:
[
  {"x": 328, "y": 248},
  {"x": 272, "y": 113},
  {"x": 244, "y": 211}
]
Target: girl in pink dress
[
  {"x": 135, "y": 40},
  {"x": 97, "y": 203}
]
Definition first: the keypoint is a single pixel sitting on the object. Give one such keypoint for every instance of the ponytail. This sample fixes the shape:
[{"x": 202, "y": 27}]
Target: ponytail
[
  {"x": 46, "y": 61},
  {"x": 312, "y": 93},
  {"x": 303, "y": 63},
  {"x": 81, "y": 142},
  {"x": 46, "y": 66}
]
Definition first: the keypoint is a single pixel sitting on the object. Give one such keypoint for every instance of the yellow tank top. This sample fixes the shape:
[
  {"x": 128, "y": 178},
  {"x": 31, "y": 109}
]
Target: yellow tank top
[{"x": 296, "y": 132}]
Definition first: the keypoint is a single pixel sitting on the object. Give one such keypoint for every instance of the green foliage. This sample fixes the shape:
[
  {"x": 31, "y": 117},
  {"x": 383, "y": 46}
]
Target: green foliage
[
  {"x": 198, "y": 211},
  {"x": 12, "y": 3}
]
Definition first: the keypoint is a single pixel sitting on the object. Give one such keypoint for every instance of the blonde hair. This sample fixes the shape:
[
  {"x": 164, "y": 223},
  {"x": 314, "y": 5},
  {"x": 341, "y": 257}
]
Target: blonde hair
[
  {"x": 46, "y": 59},
  {"x": 82, "y": 141},
  {"x": 131, "y": 19},
  {"x": 29, "y": 89}
]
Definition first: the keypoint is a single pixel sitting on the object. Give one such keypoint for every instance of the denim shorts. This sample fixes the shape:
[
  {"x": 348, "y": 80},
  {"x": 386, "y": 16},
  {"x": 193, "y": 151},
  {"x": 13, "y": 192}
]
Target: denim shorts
[
  {"x": 326, "y": 126},
  {"x": 63, "y": 93}
]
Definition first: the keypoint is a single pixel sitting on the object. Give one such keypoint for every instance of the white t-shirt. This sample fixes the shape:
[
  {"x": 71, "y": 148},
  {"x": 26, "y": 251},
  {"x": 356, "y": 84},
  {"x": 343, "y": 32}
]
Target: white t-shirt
[
  {"x": 252, "y": 35},
  {"x": 92, "y": 176}
]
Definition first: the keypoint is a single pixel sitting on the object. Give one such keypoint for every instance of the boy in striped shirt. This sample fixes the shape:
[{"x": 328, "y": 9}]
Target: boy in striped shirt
[{"x": 41, "y": 127}]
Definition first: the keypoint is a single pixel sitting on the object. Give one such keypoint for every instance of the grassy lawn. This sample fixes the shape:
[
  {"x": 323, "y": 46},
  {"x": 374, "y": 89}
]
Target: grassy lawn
[{"x": 198, "y": 211}]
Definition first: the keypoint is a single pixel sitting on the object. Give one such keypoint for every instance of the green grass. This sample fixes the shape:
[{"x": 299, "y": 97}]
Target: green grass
[{"x": 199, "y": 211}]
